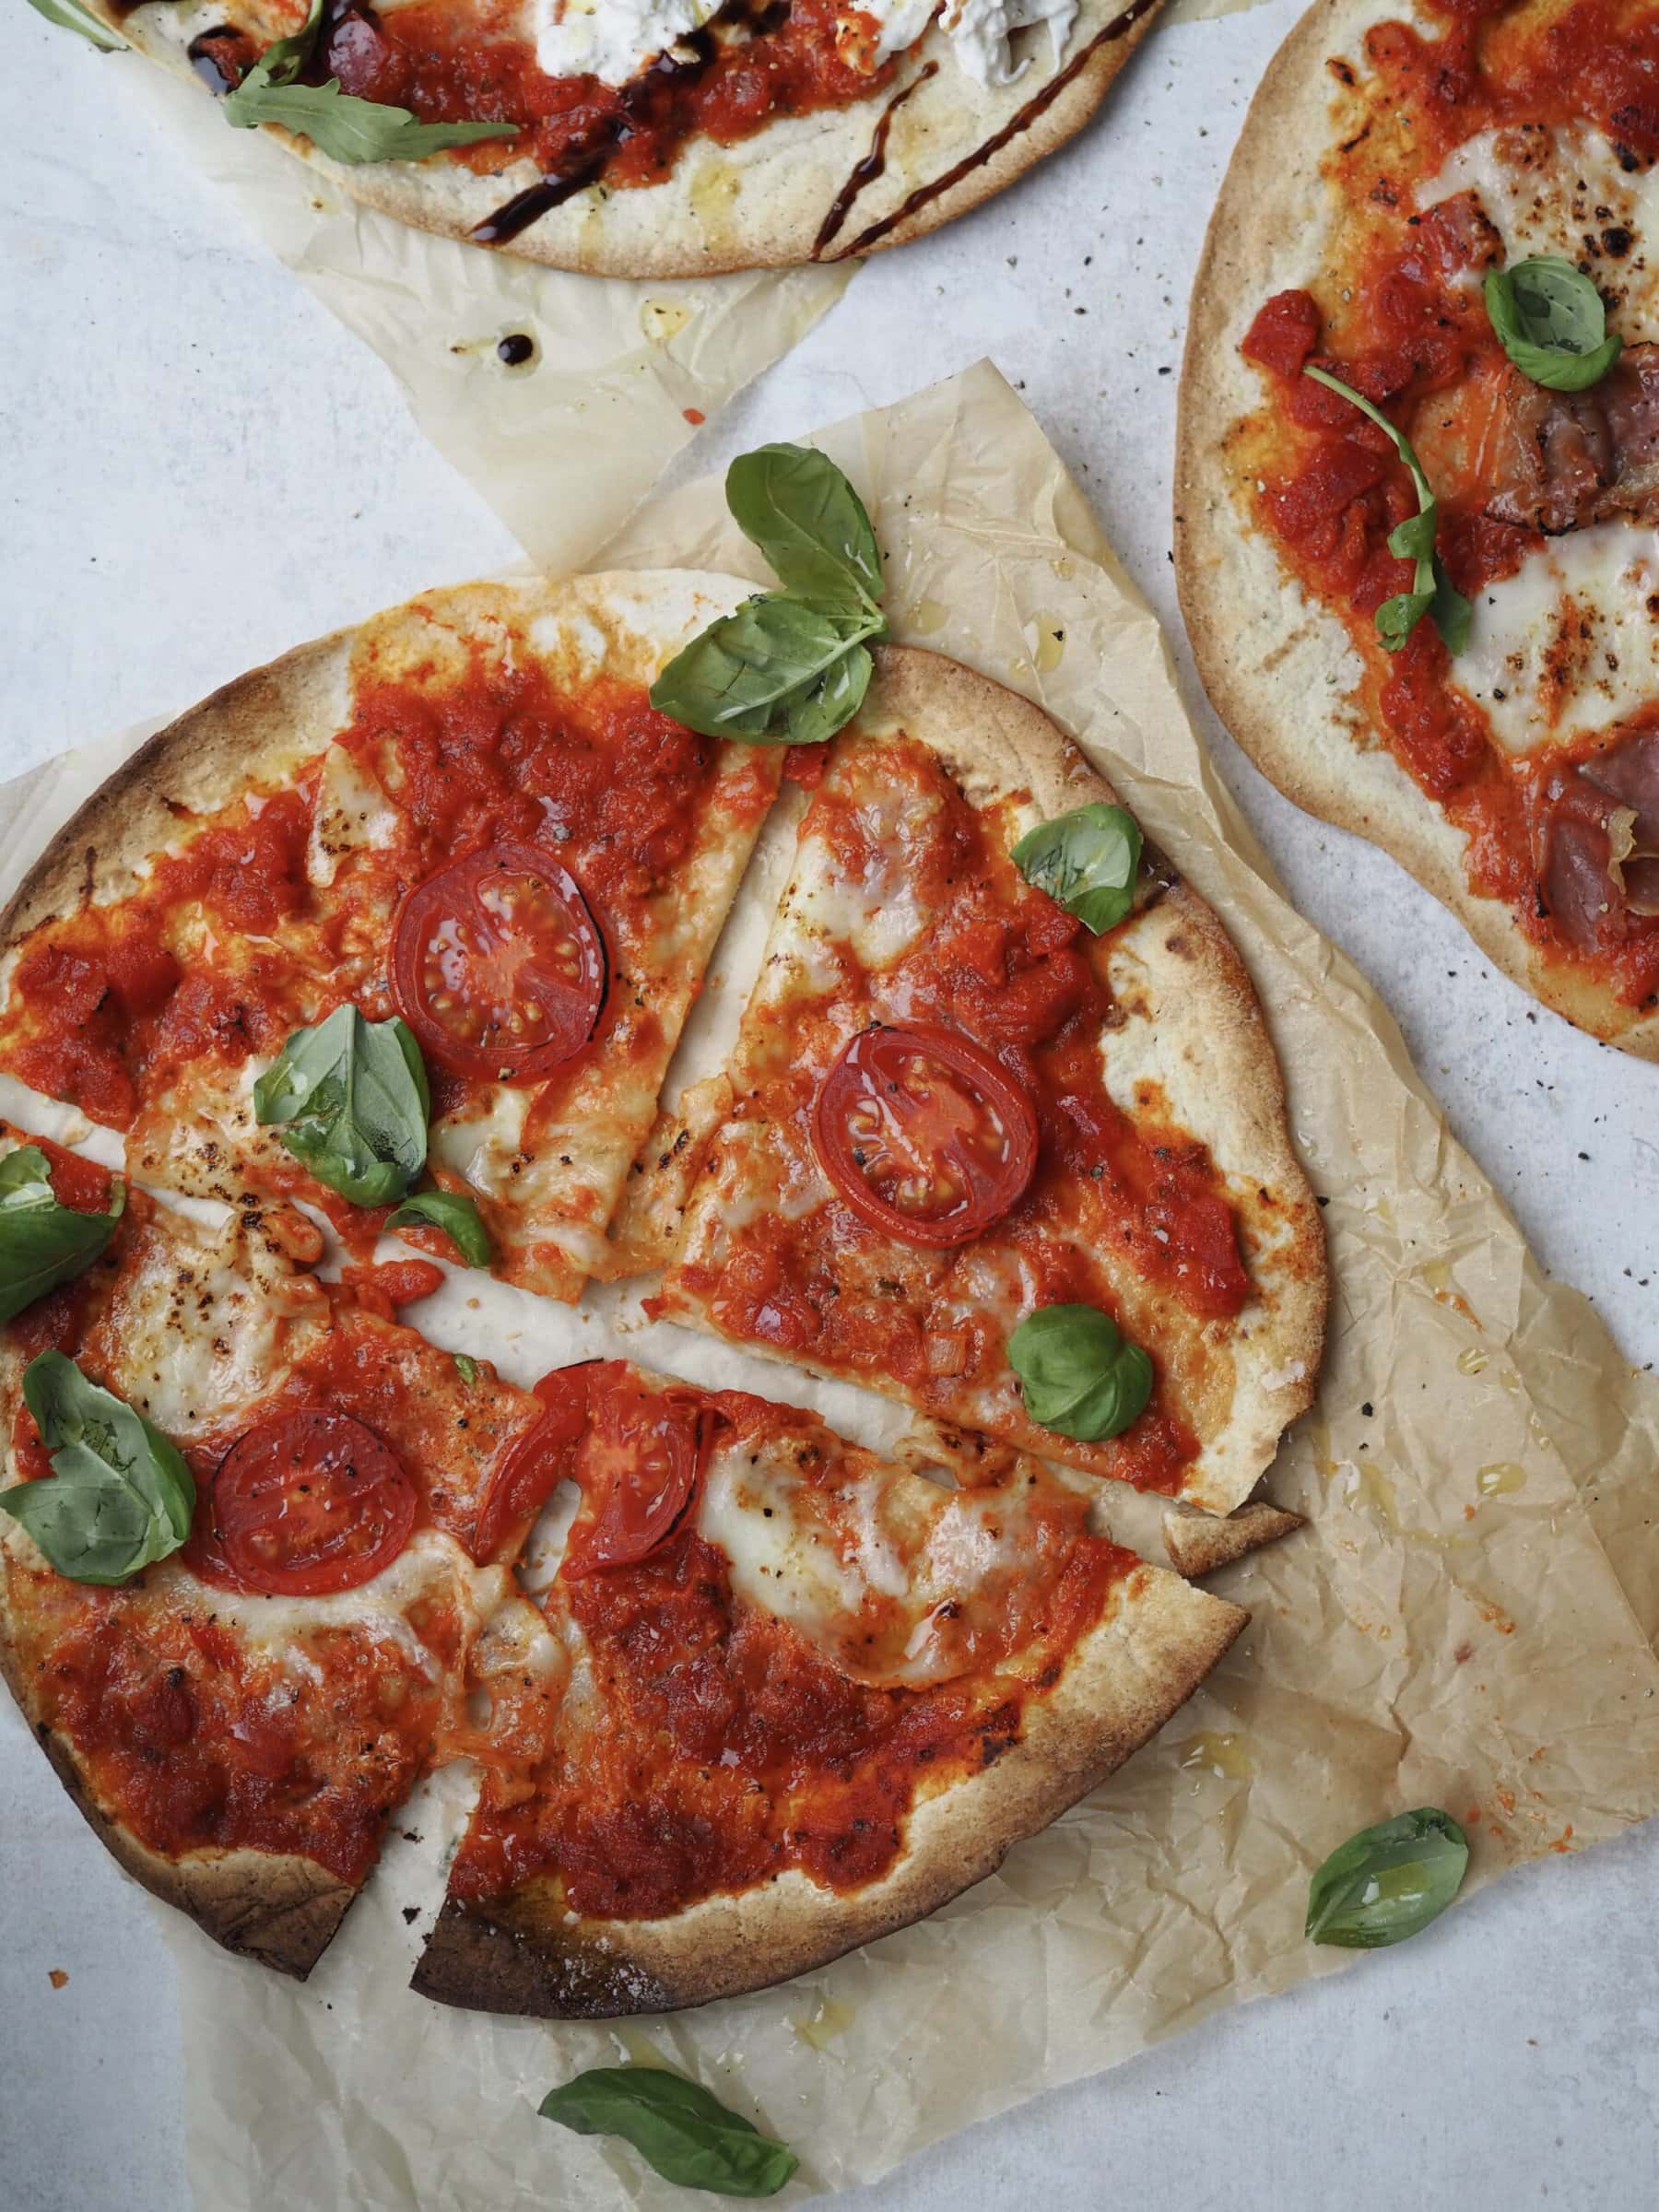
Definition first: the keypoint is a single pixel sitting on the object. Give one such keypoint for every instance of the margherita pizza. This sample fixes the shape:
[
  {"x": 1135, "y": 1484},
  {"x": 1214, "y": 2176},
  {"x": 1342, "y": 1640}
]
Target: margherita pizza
[
  {"x": 1418, "y": 476},
  {"x": 780, "y": 1698},
  {"x": 658, "y": 137},
  {"x": 401, "y": 934}
]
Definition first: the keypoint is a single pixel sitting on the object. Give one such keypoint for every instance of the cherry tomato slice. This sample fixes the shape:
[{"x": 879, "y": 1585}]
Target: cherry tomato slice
[
  {"x": 926, "y": 1137},
  {"x": 310, "y": 1501},
  {"x": 540, "y": 1459},
  {"x": 497, "y": 964},
  {"x": 638, "y": 1468}
]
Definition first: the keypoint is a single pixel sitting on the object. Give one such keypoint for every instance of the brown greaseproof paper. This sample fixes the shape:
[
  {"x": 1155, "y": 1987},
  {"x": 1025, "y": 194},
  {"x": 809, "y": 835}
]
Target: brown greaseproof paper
[{"x": 1466, "y": 1622}]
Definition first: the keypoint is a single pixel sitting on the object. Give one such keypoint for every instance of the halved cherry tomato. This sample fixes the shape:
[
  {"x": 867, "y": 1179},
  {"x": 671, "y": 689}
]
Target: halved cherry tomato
[
  {"x": 926, "y": 1136},
  {"x": 310, "y": 1501},
  {"x": 536, "y": 1464},
  {"x": 638, "y": 1468},
  {"x": 497, "y": 964}
]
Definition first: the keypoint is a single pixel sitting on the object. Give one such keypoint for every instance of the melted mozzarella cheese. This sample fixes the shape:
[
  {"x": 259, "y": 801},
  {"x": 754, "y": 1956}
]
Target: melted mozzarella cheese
[
  {"x": 351, "y": 811},
  {"x": 1567, "y": 643},
  {"x": 877, "y": 915},
  {"x": 869, "y": 1569},
  {"x": 612, "y": 40}
]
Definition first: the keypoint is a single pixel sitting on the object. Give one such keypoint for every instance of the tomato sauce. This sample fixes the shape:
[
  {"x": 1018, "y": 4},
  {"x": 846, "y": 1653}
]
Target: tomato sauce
[
  {"x": 729, "y": 1750},
  {"x": 450, "y": 64},
  {"x": 1399, "y": 327}
]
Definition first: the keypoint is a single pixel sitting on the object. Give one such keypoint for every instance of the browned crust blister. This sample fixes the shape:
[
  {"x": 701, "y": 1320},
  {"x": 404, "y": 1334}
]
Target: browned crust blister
[
  {"x": 1198, "y": 1544},
  {"x": 522, "y": 1955},
  {"x": 763, "y": 202},
  {"x": 1280, "y": 669}
]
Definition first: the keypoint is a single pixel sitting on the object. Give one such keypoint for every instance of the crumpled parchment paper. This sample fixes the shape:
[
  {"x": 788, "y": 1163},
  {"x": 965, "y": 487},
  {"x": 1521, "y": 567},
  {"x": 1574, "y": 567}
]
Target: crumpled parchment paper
[{"x": 1468, "y": 1620}]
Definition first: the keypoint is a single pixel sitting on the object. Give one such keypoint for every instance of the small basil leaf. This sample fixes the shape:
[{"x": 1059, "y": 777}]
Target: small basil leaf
[
  {"x": 778, "y": 671},
  {"x": 350, "y": 1101},
  {"x": 1086, "y": 862},
  {"x": 1551, "y": 323},
  {"x": 119, "y": 1496},
  {"x": 1080, "y": 1375},
  {"x": 466, "y": 1367},
  {"x": 455, "y": 1214},
  {"x": 338, "y": 124},
  {"x": 42, "y": 1242},
  {"x": 68, "y": 15},
  {"x": 1389, "y": 1881},
  {"x": 687, "y": 2134},
  {"x": 1432, "y": 592},
  {"x": 797, "y": 507}
]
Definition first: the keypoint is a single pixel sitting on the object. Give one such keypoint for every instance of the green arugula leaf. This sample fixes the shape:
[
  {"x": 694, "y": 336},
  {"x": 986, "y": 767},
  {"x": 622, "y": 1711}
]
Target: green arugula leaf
[
  {"x": 349, "y": 1101},
  {"x": 1432, "y": 592},
  {"x": 1551, "y": 322},
  {"x": 466, "y": 1367},
  {"x": 42, "y": 1242},
  {"x": 1086, "y": 861},
  {"x": 796, "y": 506},
  {"x": 779, "y": 671},
  {"x": 69, "y": 15},
  {"x": 687, "y": 2134},
  {"x": 788, "y": 667},
  {"x": 336, "y": 123},
  {"x": 1080, "y": 1375},
  {"x": 119, "y": 1496},
  {"x": 1389, "y": 1881},
  {"x": 455, "y": 1214}
]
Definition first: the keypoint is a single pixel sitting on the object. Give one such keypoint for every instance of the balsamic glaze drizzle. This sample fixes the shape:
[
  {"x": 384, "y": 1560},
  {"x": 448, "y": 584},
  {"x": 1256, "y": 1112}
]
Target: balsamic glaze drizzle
[{"x": 871, "y": 167}]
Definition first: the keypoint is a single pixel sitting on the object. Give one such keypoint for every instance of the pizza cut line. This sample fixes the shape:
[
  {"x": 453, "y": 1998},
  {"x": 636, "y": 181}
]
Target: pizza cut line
[
  {"x": 778, "y": 1697},
  {"x": 1453, "y": 276},
  {"x": 656, "y": 138},
  {"x": 401, "y": 934}
]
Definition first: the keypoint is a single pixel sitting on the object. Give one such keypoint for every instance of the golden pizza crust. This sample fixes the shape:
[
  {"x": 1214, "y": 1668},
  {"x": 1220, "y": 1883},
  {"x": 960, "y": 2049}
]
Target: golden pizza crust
[
  {"x": 1198, "y": 1543},
  {"x": 1197, "y": 1027},
  {"x": 761, "y": 203},
  {"x": 1279, "y": 666},
  {"x": 1127, "y": 1677}
]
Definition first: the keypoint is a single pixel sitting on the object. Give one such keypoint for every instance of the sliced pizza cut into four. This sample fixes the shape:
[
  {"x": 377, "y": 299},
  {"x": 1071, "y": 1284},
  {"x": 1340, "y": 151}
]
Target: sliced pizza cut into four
[
  {"x": 822, "y": 1699},
  {"x": 954, "y": 1108},
  {"x": 465, "y": 816}
]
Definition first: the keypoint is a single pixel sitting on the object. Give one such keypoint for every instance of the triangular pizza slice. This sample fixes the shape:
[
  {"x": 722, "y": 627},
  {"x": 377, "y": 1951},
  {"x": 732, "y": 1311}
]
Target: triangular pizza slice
[
  {"x": 1006, "y": 1135},
  {"x": 798, "y": 1697},
  {"x": 427, "y": 898}
]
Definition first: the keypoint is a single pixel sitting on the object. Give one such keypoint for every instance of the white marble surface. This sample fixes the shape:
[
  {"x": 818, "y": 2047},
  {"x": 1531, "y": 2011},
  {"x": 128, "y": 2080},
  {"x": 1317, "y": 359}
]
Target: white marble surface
[{"x": 201, "y": 469}]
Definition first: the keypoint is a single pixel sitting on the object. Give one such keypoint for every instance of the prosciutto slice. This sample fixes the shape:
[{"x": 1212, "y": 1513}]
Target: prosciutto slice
[
  {"x": 1566, "y": 459},
  {"x": 1600, "y": 859}
]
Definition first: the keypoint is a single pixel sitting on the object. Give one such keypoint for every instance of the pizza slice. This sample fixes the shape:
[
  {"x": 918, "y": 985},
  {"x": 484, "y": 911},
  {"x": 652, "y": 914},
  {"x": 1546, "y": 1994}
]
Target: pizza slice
[
  {"x": 430, "y": 898},
  {"x": 804, "y": 1698},
  {"x": 1007, "y": 1138},
  {"x": 240, "y": 1527}
]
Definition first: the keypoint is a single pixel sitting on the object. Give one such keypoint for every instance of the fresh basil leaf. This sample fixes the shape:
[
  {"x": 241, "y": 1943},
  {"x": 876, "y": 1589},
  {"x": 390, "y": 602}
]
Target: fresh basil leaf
[
  {"x": 42, "y": 1242},
  {"x": 1432, "y": 591},
  {"x": 1086, "y": 861},
  {"x": 455, "y": 1214},
  {"x": 351, "y": 1102},
  {"x": 119, "y": 1496},
  {"x": 797, "y": 507},
  {"x": 1389, "y": 1881},
  {"x": 1080, "y": 1375},
  {"x": 1550, "y": 320},
  {"x": 778, "y": 671},
  {"x": 68, "y": 15},
  {"x": 687, "y": 2134},
  {"x": 466, "y": 1367}
]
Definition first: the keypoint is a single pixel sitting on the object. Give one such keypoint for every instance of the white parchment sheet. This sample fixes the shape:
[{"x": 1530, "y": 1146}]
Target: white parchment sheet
[{"x": 1466, "y": 1622}]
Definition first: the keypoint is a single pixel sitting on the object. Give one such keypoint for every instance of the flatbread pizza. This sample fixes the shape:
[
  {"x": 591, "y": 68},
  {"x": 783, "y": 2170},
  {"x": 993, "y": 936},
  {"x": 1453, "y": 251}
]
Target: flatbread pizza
[
  {"x": 657, "y": 137},
  {"x": 1416, "y": 486}
]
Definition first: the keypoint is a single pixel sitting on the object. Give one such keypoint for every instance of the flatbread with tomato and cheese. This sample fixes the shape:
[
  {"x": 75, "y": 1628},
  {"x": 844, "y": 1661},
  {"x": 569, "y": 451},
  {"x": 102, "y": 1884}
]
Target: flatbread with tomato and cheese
[
  {"x": 427, "y": 898},
  {"x": 658, "y": 137},
  {"x": 255, "y": 1548},
  {"x": 1004, "y": 1132},
  {"x": 1418, "y": 472}
]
